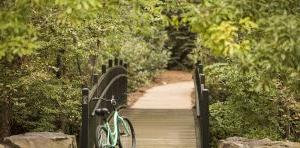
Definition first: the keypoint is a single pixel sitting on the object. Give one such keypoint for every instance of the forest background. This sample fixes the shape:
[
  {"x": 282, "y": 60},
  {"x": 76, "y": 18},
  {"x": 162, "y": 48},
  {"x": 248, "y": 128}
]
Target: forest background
[{"x": 50, "y": 49}]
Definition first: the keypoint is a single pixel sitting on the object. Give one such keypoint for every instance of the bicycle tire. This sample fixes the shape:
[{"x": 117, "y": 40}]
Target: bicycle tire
[{"x": 133, "y": 140}]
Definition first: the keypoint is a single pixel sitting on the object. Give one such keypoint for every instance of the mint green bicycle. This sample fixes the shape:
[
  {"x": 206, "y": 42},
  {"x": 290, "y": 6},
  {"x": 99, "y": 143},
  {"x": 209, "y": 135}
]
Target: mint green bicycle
[{"x": 121, "y": 136}]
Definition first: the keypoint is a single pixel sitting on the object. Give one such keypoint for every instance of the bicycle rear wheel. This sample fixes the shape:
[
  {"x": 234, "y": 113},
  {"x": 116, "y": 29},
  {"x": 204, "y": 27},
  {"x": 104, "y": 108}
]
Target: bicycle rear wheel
[
  {"x": 101, "y": 137},
  {"x": 126, "y": 134}
]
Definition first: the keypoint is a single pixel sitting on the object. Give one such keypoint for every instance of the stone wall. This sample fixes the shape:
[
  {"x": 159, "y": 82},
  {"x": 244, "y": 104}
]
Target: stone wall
[
  {"x": 239, "y": 142},
  {"x": 40, "y": 139}
]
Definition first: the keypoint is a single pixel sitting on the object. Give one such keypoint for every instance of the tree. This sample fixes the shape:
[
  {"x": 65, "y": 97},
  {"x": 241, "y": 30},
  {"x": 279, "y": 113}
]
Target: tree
[
  {"x": 19, "y": 38},
  {"x": 48, "y": 49},
  {"x": 261, "y": 36}
]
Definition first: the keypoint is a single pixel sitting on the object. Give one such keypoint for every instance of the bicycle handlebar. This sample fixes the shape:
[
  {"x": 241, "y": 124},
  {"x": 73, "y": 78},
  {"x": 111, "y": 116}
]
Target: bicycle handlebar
[{"x": 112, "y": 101}]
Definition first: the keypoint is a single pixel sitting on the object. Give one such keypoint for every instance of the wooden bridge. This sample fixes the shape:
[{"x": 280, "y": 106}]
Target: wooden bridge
[
  {"x": 163, "y": 118},
  {"x": 163, "y": 128}
]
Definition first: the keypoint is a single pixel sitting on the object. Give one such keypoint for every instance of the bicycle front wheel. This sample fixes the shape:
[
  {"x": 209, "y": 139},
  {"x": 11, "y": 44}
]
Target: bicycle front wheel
[
  {"x": 126, "y": 134},
  {"x": 101, "y": 137}
]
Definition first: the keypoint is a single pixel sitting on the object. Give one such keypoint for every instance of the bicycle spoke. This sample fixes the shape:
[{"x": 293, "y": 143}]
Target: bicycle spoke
[
  {"x": 101, "y": 138},
  {"x": 126, "y": 134}
]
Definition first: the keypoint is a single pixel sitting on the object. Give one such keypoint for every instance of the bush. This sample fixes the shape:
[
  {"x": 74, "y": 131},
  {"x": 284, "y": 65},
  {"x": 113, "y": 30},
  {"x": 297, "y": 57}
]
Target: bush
[
  {"x": 144, "y": 61},
  {"x": 239, "y": 108},
  {"x": 44, "y": 94}
]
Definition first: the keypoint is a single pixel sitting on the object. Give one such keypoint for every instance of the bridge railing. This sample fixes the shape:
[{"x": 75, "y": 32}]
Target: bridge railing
[
  {"x": 202, "y": 107},
  {"x": 112, "y": 82}
]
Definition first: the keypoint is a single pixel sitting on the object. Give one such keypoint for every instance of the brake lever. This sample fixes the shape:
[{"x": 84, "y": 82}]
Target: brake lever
[{"x": 113, "y": 101}]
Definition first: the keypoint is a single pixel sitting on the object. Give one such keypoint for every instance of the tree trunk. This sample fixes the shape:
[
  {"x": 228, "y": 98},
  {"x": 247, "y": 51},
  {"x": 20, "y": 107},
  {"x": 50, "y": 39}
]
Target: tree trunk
[
  {"x": 6, "y": 96},
  {"x": 5, "y": 116}
]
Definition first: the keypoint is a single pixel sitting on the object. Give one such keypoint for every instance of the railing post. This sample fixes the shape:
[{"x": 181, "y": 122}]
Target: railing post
[
  {"x": 198, "y": 87},
  {"x": 205, "y": 119},
  {"x": 202, "y": 80},
  {"x": 95, "y": 79},
  {"x": 116, "y": 62},
  {"x": 103, "y": 69},
  {"x": 84, "y": 139},
  {"x": 199, "y": 68},
  {"x": 110, "y": 63},
  {"x": 121, "y": 62},
  {"x": 126, "y": 83}
]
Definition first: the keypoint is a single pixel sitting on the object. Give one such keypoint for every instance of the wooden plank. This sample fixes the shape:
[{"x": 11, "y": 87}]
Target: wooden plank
[{"x": 163, "y": 128}]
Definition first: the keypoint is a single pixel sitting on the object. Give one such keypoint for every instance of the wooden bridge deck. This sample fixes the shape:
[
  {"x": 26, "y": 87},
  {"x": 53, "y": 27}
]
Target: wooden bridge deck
[{"x": 163, "y": 128}]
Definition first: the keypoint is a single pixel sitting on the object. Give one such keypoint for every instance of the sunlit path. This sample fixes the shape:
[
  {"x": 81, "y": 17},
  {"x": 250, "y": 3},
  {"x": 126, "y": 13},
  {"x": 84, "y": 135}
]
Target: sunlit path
[
  {"x": 163, "y": 128},
  {"x": 163, "y": 118},
  {"x": 170, "y": 96}
]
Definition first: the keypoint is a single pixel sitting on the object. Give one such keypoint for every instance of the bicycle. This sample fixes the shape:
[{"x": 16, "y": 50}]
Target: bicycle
[{"x": 122, "y": 135}]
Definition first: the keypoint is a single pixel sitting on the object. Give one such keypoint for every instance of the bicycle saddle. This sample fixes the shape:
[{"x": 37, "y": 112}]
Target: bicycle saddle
[{"x": 102, "y": 112}]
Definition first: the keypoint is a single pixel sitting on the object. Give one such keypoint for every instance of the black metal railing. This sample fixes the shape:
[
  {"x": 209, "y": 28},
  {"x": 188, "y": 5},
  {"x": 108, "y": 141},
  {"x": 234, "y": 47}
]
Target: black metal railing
[
  {"x": 202, "y": 107},
  {"x": 111, "y": 83}
]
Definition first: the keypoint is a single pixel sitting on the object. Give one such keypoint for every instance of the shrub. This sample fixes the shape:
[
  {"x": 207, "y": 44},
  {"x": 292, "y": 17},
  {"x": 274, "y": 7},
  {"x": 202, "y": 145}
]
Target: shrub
[
  {"x": 238, "y": 108},
  {"x": 144, "y": 61},
  {"x": 82, "y": 40}
]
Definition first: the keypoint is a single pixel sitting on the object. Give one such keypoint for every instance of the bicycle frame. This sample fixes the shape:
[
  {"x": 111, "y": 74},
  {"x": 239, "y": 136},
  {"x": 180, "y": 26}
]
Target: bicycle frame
[{"x": 113, "y": 136}]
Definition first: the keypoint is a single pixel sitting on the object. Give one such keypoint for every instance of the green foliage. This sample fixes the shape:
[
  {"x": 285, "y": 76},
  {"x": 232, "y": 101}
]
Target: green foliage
[
  {"x": 18, "y": 31},
  {"x": 261, "y": 35},
  {"x": 254, "y": 94},
  {"x": 142, "y": 70},
  {"x": 260, "y": 82},
  {"x": 45, "y": 94},
  {"x": 239, "y": 109},
  {"x": 181, "y": 39}
]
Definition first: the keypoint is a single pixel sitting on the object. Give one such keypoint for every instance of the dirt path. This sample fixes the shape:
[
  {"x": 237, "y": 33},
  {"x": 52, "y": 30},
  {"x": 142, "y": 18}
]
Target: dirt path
[
  {"x": 167, "y": 77},
  {"x": 173, "y": 91},
  {"x": 170, "y": 96}
]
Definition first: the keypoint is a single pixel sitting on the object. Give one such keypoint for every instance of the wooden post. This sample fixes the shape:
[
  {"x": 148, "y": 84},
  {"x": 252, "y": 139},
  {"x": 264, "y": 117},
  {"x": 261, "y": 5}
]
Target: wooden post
[
  {"x": 197, "y": 82},
  {"x": 103, "y": 69},
  {"x": 84, "y": 138},
  {"x": 121, "y": 62},
  {"x": 116, "y": 62},
  {"x": 202, "y": 80},
  {"x": 95, "y": 79},
  {"x": 110, "y": 63},
  {"x": 205, "y": 119},
  {"x": 198, "y": 70},
  {"x": 126, "y": 65}
]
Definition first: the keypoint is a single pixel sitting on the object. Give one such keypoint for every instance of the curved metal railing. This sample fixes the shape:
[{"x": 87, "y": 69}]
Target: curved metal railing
[
  {"x": 112, "y": 83},
  {"x": 202, "y": 107}
]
